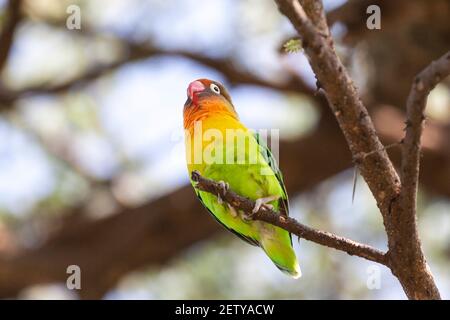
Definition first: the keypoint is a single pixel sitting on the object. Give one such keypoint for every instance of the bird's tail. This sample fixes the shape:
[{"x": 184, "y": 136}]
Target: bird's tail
[{"x": 278, "y": 247}]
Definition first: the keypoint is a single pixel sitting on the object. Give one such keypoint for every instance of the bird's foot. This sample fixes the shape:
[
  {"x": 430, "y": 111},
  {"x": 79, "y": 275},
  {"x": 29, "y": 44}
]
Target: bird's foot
[
  {"x": 233, "y": 211},
  {"x": 264, "y": 202},
  {"x": 246, "y": 217},
  {"x": 224, "y": 186}
]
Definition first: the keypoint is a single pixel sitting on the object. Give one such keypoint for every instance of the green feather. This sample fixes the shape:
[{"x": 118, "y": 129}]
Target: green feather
[{"x": 246, "y": 179}]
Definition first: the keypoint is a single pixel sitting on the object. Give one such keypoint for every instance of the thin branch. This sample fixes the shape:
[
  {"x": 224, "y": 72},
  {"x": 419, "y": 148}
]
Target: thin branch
[
  {"x": 293, "y": 226},
  {"x": 137, "y": 51},
  {"x": 424, "y": 82},
  {"x": 406, "y": 219}
]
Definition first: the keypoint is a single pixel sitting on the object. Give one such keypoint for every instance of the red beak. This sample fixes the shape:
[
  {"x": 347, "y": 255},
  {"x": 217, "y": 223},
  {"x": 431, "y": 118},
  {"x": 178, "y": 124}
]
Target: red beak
[{"x": 194, "y": 87}]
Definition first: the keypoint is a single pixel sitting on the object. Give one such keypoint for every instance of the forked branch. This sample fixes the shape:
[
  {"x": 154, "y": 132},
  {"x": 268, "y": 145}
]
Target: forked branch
[{"x": 396, "y": 199}]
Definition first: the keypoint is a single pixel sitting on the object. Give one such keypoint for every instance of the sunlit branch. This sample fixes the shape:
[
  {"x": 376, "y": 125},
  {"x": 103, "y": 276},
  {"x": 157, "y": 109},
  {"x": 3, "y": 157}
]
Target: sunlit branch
[{"x": 293, "y": 226}]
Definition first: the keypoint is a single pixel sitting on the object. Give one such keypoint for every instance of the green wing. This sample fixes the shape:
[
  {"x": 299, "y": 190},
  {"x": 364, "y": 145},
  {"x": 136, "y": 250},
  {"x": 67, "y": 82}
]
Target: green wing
[
  {"x": 268, "y": 156},
  {"x": 244, "y": 181},
  {"x": 240, "y": 235},
  {"x": 247, "y": 180}
]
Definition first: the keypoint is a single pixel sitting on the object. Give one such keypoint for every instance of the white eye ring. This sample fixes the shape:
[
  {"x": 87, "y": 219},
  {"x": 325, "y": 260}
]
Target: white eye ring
[{"x": 215, "y": 88}]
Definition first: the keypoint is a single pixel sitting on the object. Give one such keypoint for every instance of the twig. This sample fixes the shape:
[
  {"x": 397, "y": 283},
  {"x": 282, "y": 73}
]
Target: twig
[
  {"x": 424, "y": 82},
  {"x": 293, "y": 226},
  {"x": 361, "y": 156},
  {"x": 136, "y": 51}
]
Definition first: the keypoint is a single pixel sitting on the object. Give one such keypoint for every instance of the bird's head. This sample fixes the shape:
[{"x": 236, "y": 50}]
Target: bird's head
[{"x": 206, "y": 97}]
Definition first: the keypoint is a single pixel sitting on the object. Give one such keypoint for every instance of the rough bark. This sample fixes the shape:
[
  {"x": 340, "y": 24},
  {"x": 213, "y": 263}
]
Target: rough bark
[
  {"x": 408, "y": 260},
  {"x": 405, "y": 254}
]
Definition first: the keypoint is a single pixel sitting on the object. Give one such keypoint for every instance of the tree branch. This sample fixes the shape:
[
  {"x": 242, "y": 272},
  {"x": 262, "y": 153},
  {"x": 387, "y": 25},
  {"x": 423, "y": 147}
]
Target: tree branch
[
  {"x": 406, "y": 258},
  {"x": 424, "y": 82},
  {"x": 293, "y": 226},
  {"x": 346, "y": 105},
  {"x": 136, "y": 51}
]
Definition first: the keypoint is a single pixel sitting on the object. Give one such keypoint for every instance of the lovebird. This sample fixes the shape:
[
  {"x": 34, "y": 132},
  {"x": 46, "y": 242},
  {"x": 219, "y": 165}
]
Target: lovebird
[{"x": 221, "y": 148}]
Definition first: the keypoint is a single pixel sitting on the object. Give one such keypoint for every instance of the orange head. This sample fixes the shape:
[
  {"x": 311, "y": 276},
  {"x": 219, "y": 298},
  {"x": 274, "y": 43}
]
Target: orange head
[{"x": 204, "y": 98}]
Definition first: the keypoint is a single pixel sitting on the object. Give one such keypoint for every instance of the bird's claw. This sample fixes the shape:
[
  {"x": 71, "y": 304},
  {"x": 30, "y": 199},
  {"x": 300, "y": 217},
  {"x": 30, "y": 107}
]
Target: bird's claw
[
  {"x": 247, "y": 217},
  {"x": 264, "y": 202},
  {"x": 224, "y": 186},
  {"x": 233, "y": 211},
  {"x": 258, "y": 204}
]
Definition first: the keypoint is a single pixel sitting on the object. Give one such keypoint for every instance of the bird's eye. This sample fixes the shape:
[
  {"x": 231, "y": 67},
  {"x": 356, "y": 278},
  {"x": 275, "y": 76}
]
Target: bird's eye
[{"x": 215, "y": 88}]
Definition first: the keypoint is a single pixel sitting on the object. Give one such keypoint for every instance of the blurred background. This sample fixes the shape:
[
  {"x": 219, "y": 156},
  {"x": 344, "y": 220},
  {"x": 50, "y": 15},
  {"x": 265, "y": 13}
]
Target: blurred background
[{"x": 92, "y": 167}]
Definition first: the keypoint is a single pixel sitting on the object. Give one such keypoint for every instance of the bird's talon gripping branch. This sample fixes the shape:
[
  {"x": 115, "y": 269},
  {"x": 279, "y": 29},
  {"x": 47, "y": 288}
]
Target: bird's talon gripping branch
[
  {"x": 247, "y": 216},
  {"x": 264, "y": 201},
  {"x": 195, "y": 176},
  {"x": 224, "y": 187},
  {"x": 233, "y": 211}
]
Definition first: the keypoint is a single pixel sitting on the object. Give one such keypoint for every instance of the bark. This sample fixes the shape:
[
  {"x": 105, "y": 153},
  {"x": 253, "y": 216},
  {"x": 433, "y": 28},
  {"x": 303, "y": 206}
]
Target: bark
[
  {"x": 395, "y": 199},
  {"x": 408, "y": 260}
]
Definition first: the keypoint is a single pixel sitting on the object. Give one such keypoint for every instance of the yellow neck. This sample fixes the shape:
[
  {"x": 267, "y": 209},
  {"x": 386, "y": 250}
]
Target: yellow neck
[{"x": 213, "y": 131}]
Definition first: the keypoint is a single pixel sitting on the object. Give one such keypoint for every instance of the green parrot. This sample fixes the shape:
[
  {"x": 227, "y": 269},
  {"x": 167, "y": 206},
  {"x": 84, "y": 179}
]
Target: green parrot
[{"x": 221, "y": 148}]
